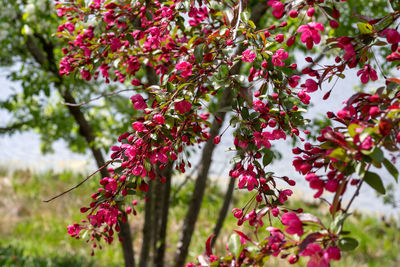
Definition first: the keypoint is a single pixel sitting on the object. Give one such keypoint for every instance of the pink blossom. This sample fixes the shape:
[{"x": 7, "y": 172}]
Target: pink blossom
[
  {"x": 366, "y": 73},
  {"x": 393, "y": 57},
  {"x": 317, "y": 259},
  {"x": 74, "y": 230},
  {"x": 275, "y": 212},
  {"x": 293, "y": 222},
  {"x": 366, "y": 144},
  {"x": 158, "y": 118},
  {"x": 310, "y": 34},
  {"x": 248, "y": 56},
  {"x": 276, "y": 240},
  {"x": 346, "y": 45},
  {"x": 315, "y": 183},
  {"x": 293, "y": 13},
  {"x": 392, "y": 36},
  {"x": 279, "y": 55},
  {"x": 183, "y": 106},
  {"x": 197, "y": 15},
  {"x": 237, "y": 213},
  {"x": 138, "y": 126},
  {"x": 310, "y": 85},
  {"x": 331, "y": 185},
  {"x": 278, "y": 8},
  {"x": 115, "y": 44},
  {"x": 304, "y": 97},
  {"x": 158, "y": 157},
  {"x": 104, "y": 70},
  {"x": 185, "y": 67},
  {"x": 249, "y": 180},
  {"x": 334, "y": 24},
  {"x": 334, "y": 253},
  {"x": 284, "y": 194},
  {"x": 310, "y": 11},
  {"x": 374, "y": 111},
  {"x": 86, "y": 75},
  {"x": 138, "y": 102},
  {"x": 291, "y": 41},
  {"x": 280, "y": 38},
  {"x": 217, "y": 140},
  {"x": 251, "y": 183}
]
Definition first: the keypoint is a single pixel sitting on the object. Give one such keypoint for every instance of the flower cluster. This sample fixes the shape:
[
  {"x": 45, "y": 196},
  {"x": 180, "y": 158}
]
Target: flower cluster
[{"x": 188, "y": 52}]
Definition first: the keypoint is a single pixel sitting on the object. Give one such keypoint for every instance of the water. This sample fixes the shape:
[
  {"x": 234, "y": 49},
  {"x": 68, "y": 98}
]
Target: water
[{"x": 22, "y": 150}]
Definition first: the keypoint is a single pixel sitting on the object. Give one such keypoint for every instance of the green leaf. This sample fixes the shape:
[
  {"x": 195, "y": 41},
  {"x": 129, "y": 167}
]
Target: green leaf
[
  {"x": 348, "y": 243},
  {"x": 268, "y": 156},
  {"x": 339, "y": 153},
  {"x": 252, "y": 25},
  {"x": 339, "y": 220},
  {"x": 377, "y": 155},
  {"x": 198, "y": 53},
  {"x": 245, "y": 113},
  {"x": 235, "y": 246},
  {"x": 374, "y": 181},
  {"x": 391, "y": 169},
  {"x": 235, "y": 159},
  {"x": 395, "y": 4},
  {"x": 223, "y": 71},
  {"x": 365, "y": 28},
  {"x": 352, "y": 129}
]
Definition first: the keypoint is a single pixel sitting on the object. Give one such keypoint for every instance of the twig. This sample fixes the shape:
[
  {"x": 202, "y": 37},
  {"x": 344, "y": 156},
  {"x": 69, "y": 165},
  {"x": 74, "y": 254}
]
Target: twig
[
  {"x": 96, "y": 98},
  {"x": 187, "y": 178},
  {"x": 73, "y": 188}
]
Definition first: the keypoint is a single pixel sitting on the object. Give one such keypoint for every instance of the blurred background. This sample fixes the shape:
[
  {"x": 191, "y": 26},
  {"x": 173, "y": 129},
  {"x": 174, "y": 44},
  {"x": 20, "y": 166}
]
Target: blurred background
[{"x": 47, "y": 147}]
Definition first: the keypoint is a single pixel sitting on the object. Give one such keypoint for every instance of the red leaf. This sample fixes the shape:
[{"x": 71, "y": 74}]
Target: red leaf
[
  {"x": 309, "y": 239},
  {"x": 242, "y": 235},
  {"x": 208, "y": 245},
  {"x": 393, "y": 80}
]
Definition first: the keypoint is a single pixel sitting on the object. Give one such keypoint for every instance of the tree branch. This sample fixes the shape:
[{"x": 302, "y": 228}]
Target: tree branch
[{"x": 96, "y": 98}]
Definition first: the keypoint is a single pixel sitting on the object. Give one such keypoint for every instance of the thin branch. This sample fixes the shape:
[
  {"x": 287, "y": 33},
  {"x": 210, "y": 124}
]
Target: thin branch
[
  {"x": 78, "y": 185},
  {"x": 357, "y": 191},
  {"x": 96, "y": 98}
]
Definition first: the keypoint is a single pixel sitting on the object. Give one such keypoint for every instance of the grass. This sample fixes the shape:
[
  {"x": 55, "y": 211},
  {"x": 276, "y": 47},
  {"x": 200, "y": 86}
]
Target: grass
[{"x": 33, "y": 233}]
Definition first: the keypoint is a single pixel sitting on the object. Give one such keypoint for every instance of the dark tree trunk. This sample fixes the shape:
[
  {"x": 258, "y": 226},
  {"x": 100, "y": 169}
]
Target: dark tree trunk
[
  {"x": 157, "y": 196},
  {"x": 147, "y": 236},
  {"x": 127, "y": 244},
  {"x": 200, "y": 185},
  {"x": 159, "y": 252},
  {"x": 224, "y": 210}
]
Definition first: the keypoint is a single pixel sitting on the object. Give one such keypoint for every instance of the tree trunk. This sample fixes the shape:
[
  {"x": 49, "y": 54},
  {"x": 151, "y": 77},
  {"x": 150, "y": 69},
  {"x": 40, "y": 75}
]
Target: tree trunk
[
  {"x": 162, "y": 233},
  {"x": 127, "y": 244},
  {"x": 200, "y": 186},
  {"x": 147, "y": 236},
  {"x": 224, "y": 210},
  {"x": 157, "y": 210},
  {"x": 198, "y": 192}
]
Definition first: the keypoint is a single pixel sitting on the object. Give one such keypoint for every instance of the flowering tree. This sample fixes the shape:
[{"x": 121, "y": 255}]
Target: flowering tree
[{"x": 197, "y": 48}]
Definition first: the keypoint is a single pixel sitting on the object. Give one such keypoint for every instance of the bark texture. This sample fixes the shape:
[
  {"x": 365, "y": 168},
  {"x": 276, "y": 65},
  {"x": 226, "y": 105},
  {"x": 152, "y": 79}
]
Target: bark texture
[{"x": 224, "y": 210}]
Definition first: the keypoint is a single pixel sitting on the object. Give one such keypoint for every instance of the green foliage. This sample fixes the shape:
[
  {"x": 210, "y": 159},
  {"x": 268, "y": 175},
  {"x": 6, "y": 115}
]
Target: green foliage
[
  {"x": 11, "y": 256},
  {"x": 38, "y": 104}
]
